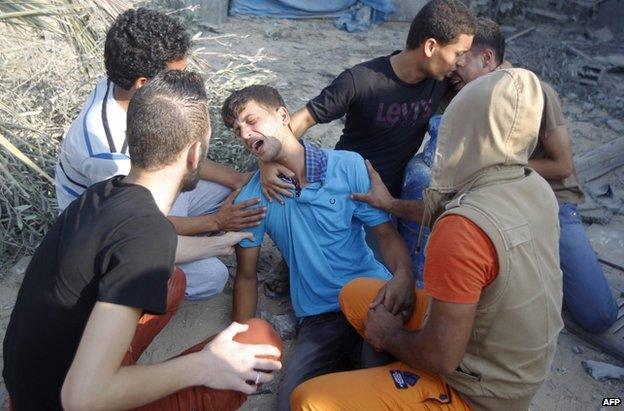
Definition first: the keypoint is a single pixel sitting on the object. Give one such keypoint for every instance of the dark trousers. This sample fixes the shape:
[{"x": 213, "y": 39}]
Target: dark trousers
[{"x": 325, "y": 343}]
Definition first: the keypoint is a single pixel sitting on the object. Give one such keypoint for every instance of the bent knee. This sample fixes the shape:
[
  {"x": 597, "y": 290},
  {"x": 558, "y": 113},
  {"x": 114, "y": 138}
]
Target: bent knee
[{"x": 206, "y": 279}]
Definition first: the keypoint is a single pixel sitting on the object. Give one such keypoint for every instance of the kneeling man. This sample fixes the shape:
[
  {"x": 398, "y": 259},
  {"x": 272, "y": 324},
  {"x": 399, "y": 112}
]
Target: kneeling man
[
  {"x": 491, "y": 272},
  {"x": 101, "y": 284},
  {"x": 319, "y": 231}
]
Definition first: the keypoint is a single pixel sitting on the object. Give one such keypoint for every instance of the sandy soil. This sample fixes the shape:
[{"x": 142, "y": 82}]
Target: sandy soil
[{"x": 306, "y": 56}]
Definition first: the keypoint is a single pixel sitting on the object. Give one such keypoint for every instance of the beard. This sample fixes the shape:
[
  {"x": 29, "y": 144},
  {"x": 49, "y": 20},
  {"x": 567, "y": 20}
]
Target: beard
[{"x": 189, "y": 182}]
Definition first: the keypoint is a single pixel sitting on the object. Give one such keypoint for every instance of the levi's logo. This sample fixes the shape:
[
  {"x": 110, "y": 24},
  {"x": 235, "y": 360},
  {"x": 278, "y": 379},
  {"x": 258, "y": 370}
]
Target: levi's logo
[{"x": 403, "y": 114}]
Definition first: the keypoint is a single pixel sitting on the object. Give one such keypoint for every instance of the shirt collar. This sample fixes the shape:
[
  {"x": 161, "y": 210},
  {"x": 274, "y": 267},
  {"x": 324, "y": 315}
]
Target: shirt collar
[{"x": 316, "y": 163}]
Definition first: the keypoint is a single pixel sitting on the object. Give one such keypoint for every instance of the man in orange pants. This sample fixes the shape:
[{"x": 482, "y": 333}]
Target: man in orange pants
[
  {"x": 100, "y": 287},
  {"x": 487, "y": 337}
]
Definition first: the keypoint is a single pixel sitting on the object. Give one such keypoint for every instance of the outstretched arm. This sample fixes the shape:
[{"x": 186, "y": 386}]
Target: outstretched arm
[
  {"x": 197, "y": 248},
  {"x": 224, "y": 175},
  {"x": 558, "y": 163},
  {"x": 301, "y": 121},
  {"x": 246, "y": 283},
  {"x": 380, "y": 197},
  {"x": 230, "y": 217},
  {"x": 96, "y": 379}
]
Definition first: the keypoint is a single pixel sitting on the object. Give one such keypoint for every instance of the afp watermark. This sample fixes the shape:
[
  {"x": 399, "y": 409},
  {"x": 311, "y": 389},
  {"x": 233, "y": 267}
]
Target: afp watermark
[{"x": 611, "y": 402}]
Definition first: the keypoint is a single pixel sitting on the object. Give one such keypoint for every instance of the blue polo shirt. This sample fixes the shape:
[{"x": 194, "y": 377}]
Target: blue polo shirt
[{"x": 320, "y": 231}]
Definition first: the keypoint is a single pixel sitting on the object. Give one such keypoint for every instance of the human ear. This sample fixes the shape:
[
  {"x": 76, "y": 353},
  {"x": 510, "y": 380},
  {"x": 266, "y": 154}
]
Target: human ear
[
  {"x": 139, "y": 82},
  {"x": 284, "y": 115},
  {"x": 194, "y": 155},
  {"x": 430, "y": 46}
]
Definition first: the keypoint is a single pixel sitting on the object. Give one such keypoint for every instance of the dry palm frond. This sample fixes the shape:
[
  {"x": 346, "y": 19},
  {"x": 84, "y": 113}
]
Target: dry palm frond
[{"x": 51, "y": 58}]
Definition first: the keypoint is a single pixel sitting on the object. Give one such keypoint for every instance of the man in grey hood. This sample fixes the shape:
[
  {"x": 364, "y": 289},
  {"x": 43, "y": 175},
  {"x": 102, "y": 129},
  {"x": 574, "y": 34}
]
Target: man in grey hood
[{"x": 484, "y": 330}]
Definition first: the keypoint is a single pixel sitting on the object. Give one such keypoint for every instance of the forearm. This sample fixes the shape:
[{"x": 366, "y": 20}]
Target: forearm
[
  {"x": 197, "y": 248},
  {"x": 411, "y": 210},
  {"x": 128, "y": 389},
  {"x": 221, "y": 174},
  {"x": 413, "y": 349},
  {"x": 245, "y": 296},
  {"x": 551, "y": 169},
  {"x": 395, "y": 254},
  {"x": 186, "y": 226},
  {"x": 301, "y": 121}
]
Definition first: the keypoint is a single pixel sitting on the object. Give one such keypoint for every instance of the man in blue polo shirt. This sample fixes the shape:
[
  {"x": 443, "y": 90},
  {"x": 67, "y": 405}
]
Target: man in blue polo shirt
[{"x": 319, "y": 231}]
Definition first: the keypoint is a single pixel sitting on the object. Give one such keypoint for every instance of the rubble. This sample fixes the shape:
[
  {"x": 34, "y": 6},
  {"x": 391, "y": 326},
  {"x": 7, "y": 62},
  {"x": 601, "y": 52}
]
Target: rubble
[{"x": 601, "y": 370}]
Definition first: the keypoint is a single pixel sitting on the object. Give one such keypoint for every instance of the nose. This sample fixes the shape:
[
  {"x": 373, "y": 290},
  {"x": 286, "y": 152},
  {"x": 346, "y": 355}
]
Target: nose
[
  {"x": 244, "y": 132},
  {"x": 461, "y": 61}
]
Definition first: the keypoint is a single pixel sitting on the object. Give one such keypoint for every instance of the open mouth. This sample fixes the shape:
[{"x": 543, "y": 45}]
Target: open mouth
[{"x": 256, "y": 146}]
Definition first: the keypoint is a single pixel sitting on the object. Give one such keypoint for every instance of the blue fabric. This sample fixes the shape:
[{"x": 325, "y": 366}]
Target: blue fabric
[
  {"x": 320, "y": 233},
  {"x": 316, "y": 163},
  {"x": 415, "y": 181},
  {"x": 353, "y": 15},
  {"x": 586, "y": 293},
  {"x": 326, "y": 343}
]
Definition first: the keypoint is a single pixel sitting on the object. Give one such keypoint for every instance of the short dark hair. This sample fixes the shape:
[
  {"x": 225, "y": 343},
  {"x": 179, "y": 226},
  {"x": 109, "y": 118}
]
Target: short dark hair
[
  {"x": 266, "y": 96},
  {"x": 140, "y": 43},
  {"x": 443, "y": 20},
  {"x": 489, "y": 35},
  {"x": 165, "y": 116}
]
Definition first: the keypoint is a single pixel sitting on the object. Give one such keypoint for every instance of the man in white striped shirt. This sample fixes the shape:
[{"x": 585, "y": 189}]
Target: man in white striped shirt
[{"x": 139, "y": 44}]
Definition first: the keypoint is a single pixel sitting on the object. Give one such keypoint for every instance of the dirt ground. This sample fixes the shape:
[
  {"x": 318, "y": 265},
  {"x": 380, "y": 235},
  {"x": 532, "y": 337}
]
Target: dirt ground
[{"x": 304, "y": 57}]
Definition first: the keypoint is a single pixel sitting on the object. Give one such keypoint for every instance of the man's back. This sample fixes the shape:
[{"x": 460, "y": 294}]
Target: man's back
[
  {"x": 320, "y": 233},
  {"x": 112, "y": 245},
  {"x": 95, "y": 147}
]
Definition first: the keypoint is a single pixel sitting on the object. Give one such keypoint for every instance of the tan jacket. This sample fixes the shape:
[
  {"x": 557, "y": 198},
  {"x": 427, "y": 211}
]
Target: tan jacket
[{"x": 485, "y": 139}]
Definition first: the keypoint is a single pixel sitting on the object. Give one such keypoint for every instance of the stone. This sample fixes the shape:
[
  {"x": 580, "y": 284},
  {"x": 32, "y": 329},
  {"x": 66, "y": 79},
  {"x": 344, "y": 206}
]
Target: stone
[
  {"x": 577, "y": 349},
  {"x": 616, "y": 125},
  {"x": 601, "y": 371},
  {"x": 602, "y": 34}
]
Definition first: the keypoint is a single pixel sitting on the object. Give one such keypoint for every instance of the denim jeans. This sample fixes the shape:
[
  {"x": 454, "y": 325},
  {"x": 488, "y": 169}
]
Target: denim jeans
[
  {"x": 325, "y": 343},
  {"x": 586, "y": 293}
]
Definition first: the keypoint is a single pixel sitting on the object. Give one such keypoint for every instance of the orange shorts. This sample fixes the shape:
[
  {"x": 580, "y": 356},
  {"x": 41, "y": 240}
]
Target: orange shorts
[{"x": 395, "y": 386}]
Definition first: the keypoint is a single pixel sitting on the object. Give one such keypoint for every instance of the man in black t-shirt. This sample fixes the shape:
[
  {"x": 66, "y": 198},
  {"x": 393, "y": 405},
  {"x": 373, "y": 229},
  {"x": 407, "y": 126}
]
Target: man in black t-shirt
[
  {"x": 388, "y": 100},
  {"x": 98, "y": 288}
]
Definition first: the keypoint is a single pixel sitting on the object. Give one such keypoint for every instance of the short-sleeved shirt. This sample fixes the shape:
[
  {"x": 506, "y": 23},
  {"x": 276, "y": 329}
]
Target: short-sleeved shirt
[
  {"x": 567, "y": 190},
  {"x": 94, "y": 148},
  {"x": 320, "y": 232},
  {"x": 460, "y": 261},
  {"x": 386, "y": 118},
  {"x": 112, "y": 245}
]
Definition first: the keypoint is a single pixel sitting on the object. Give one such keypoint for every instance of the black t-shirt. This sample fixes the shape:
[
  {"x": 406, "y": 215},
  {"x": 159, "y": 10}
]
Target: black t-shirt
[
  {"x": 386, "y": 117},
  {"x": 112, "y": 244}
]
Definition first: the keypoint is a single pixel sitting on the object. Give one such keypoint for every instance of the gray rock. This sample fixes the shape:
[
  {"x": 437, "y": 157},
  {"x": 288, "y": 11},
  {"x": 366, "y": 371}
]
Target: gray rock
[
  {"x": 616, "y": 125},
  {"x": 601, "y": 370},
  {"x": 577, "y": 349},
  {"x": 602, "y": 34}
]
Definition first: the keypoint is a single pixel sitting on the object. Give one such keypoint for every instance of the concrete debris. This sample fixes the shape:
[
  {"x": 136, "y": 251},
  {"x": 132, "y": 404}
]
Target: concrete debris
[
  {"x": 590, "y": 74},
  {"x": 548, "y": 14},
  {"x": 602, "y": 34},
  {"x": 613, "y": 60},
  {"x": 616, "y": 125},
  {"x": 601, "y": 370}
]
